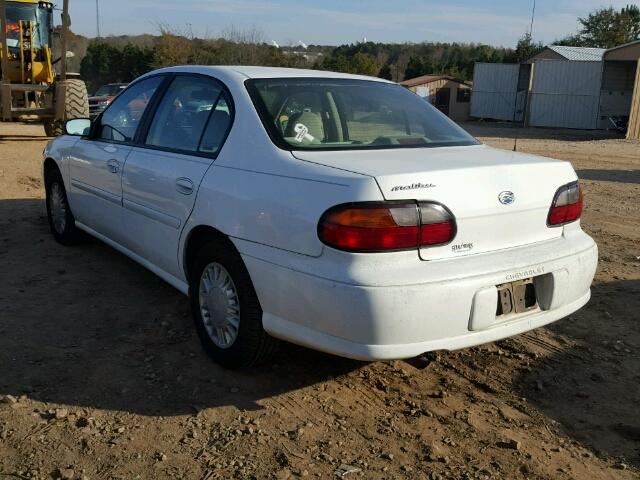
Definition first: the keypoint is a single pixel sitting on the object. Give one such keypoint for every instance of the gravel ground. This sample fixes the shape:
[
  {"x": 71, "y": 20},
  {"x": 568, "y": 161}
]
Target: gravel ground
[{"x": 102, "y": 376}]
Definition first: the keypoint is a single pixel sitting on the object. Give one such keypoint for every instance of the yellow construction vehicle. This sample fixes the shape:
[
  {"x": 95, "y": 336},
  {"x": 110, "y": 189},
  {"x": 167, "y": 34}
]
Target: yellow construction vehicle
[{"x": 30, "y": 89}]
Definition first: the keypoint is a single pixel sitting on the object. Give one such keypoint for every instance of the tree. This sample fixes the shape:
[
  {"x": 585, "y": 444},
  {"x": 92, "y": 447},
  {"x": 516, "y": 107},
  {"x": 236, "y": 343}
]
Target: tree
[
  {"x": 415, "y": 68},
  {"x": 122, "y": 58},
  {"x": 607, "y": 28},
  {"x": 527, "y": 48},
  {"x": 363, "y": 64},
  {"x": 570, "y": 41},
  {"x": 134, "y": 61},
  {"x": 385, "y": 72},
  {"x": 172, "y": 49},
  {"x": 358, "y": 63},
  {"x": 105, "y": 63},
  {"x": 632, "y": 12}
]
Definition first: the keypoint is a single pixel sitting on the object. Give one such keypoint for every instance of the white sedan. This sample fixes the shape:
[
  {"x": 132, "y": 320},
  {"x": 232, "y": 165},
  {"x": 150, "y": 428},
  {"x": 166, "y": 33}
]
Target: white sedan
[{"x": 334, "y": 211}]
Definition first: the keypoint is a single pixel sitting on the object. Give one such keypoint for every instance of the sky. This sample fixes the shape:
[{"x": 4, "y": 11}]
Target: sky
[{"x": 334, "y": 22}]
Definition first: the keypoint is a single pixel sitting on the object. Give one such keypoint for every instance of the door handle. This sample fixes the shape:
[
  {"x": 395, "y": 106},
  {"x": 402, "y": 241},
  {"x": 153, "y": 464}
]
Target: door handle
[
  {"x": 113, "y": 166},
  {"x": 184, "y": 186}
]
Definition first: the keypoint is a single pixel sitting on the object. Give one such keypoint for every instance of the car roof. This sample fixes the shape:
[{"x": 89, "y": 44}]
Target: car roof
[{"x": 243, "y": 72}]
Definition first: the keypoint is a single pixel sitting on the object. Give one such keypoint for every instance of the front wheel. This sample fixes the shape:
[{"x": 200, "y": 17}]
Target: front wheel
[
  {"x": 225, "y": 308},
  {"x": 61, "y": 221}
]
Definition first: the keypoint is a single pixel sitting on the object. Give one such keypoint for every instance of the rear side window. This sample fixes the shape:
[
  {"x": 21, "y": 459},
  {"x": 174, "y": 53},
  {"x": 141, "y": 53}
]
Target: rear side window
[
  {"x": 218, "y": 126},
  {"x": 121, "y": 119},
  {"x": 192, "y": 116}
]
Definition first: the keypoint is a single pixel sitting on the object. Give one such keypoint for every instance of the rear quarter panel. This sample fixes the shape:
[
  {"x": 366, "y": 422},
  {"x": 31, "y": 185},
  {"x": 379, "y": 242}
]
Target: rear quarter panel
[{"x": 278, "y": 210}]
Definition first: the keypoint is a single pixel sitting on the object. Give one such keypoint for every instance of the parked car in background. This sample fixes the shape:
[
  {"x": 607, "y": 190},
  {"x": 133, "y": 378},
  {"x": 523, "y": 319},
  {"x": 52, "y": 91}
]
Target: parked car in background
[
  {"x": 103, "y": 97},
  {"x": 334, "y": 211}
]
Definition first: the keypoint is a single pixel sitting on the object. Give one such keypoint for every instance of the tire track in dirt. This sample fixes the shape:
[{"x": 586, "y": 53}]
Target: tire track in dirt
[{"x": 91, "y": 341}]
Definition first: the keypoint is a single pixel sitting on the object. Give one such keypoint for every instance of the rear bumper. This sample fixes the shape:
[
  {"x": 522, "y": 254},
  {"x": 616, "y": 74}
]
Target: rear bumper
[
  {"x": 338, "y": 346},
  {"x": 451, "y": 307}
]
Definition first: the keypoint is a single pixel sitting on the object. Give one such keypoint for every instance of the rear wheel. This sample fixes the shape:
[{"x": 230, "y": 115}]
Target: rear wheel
[
  {"x": 61, "y": 220},
  {"x": 225, "y": 308},
  {"x": 76, "y": 105}
]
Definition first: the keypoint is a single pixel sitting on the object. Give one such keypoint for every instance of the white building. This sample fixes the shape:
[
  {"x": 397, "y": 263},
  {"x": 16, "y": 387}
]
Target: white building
[{"x": 568, "y": 87}]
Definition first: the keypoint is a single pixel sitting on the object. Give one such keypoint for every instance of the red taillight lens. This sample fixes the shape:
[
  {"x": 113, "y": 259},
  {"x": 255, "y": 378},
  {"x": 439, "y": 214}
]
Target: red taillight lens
[
  {"x": 566, "y": 206},
  {"x": 437, "y": 225},
  {"x": 386, "y": 226}
]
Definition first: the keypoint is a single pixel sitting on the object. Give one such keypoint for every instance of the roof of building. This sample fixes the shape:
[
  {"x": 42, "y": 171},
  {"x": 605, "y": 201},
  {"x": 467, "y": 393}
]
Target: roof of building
[
  {"x": 579, "y": 54},
  {"x": 414, "y": 82},
  {"x": 629, "y": 51},
  {"x": 635, "y": 42}
]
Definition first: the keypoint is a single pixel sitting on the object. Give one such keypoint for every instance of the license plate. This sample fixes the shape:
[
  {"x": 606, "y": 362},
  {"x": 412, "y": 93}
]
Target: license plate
[{"x": 516, "y": 297}]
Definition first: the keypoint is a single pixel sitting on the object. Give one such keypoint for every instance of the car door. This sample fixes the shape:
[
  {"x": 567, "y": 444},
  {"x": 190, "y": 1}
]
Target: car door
[
  {"x": 95, "y": 167},
  {"x": 163, "y": 172}
]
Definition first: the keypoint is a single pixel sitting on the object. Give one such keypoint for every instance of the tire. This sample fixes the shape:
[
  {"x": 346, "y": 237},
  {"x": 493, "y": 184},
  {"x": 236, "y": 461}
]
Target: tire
[
  {"x": 237, "y": 298},
  {"x": 50, "y": 128},
  {"x": 61, "y": 221},
  {"x": 76, "y": 105}
]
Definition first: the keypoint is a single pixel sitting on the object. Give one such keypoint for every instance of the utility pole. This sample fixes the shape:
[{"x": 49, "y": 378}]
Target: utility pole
[
  {"x": 533, "y": 16},
  {"x": 98, "y": 18},
  {"x": 63, "y": 40}
]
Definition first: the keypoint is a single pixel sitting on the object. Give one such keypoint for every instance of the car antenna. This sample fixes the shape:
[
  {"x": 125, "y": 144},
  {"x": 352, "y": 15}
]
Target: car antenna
[{"x": 515, "y": 141}]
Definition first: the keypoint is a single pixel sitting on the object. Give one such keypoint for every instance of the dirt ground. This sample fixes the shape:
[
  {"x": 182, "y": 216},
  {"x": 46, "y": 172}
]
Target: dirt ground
[{"x": 102, "y": 376}]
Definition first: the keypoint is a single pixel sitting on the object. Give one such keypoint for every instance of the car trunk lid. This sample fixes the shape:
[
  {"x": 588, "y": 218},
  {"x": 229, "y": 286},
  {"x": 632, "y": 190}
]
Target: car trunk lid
[{"x": 476, "y": 183}]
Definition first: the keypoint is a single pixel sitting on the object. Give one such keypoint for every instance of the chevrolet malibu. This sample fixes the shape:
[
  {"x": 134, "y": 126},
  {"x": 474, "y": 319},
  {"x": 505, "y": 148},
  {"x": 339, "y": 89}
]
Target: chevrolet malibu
[{"x": 338, "y": 212}]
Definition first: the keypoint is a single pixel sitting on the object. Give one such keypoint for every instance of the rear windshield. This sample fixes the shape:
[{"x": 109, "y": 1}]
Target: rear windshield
[{"x": 336, "y": 114}]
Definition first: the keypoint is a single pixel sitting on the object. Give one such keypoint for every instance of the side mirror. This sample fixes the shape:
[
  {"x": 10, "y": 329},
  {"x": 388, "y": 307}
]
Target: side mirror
[{"x": 78, "y": 127}]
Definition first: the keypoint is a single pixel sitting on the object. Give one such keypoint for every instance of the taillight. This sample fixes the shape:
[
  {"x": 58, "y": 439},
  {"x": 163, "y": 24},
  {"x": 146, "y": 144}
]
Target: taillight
[
  {"x": 437, "y": 225},
  {"x": 386, "y": 226},
  {"x": 566, "y": 206}
]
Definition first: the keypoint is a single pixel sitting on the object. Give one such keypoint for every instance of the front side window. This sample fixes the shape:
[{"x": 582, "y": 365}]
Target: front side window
[
  {"x": 317, "y": 114},
  {"x": 192, "y": 116},
  {"x": 121, "y": 119}
]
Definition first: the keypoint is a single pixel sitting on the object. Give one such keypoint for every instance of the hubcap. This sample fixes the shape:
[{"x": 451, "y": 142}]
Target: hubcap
[
  {"x": 219, "y": 305},
  {"x": 58, "y": 208}
]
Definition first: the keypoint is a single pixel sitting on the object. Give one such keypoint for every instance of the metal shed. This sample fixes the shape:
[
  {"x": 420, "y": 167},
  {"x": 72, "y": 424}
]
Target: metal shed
[
  {"x": 565, "y": 94},
  {"x": 573, "y": 54},
  {"x": 565, "y": 87},
  {"x": 495, "y": 91},
  {"x": 620, "y": 95}
]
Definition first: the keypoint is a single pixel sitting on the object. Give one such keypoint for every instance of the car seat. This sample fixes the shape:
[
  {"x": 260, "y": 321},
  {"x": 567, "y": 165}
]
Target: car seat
[{"x": 311, "y": 120}]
